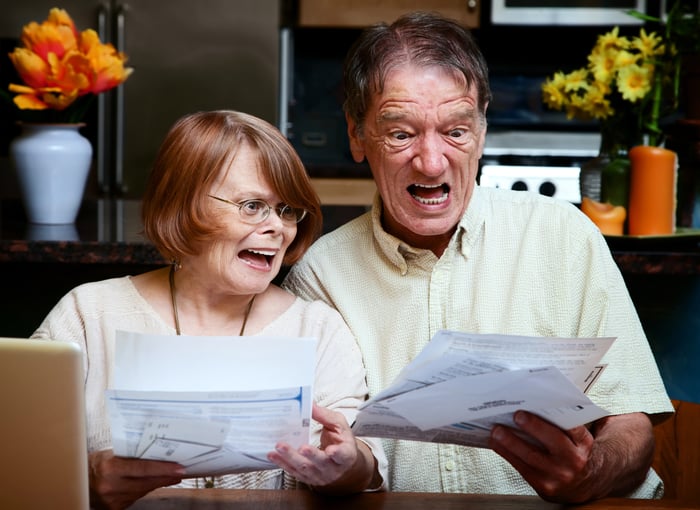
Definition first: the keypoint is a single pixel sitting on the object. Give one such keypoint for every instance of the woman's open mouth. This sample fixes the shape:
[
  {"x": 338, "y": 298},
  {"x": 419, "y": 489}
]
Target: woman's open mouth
[{"x": 258, "y": 258}]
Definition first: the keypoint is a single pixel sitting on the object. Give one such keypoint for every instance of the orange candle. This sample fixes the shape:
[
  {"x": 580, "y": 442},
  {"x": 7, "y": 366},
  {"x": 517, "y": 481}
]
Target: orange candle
[
  {"x": 652, "y": 200},
  {"x": 610, "y": 219}
]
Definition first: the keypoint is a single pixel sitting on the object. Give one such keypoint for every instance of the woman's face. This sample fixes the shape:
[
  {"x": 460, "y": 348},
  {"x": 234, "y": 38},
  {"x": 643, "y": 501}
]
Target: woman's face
[{"x": 247, "y": 257}]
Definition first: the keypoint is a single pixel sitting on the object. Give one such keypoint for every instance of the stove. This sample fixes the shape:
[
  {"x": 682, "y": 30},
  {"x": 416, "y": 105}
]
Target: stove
[
  {"x": 558, "y": 182},
  {"x": 547, "y": 163}
]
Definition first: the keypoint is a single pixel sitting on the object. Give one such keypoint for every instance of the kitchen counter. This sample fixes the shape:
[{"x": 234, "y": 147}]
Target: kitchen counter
[{"x": 108, "y": 232}]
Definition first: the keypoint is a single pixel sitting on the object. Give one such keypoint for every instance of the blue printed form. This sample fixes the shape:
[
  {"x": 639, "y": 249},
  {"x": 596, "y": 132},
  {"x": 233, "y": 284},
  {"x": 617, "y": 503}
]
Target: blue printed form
[{"x": 216, "y": 405}]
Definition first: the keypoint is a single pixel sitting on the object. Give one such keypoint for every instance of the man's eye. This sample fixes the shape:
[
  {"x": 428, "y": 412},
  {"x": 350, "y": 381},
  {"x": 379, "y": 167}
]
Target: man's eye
[
  {"x": 457, "y": 133},
  {"x": 400, "y": 135}
]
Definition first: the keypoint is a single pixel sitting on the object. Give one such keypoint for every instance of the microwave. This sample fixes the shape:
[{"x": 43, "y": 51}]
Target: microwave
[{"x": 566, "y": 12}]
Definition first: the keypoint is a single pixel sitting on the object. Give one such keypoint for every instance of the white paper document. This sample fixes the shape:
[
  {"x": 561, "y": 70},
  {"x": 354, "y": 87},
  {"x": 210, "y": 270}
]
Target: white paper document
[
  {"x": 216, "y": 405},
  {"x": 462, "y": 384}
]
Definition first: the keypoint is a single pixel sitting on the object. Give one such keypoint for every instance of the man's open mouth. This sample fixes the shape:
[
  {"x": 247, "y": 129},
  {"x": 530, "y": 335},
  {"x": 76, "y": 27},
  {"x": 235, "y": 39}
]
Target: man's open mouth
[{"x": 429, "y": 194}]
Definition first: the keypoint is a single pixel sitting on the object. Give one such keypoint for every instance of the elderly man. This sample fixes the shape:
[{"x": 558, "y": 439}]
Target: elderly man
[{"x": 438, "y": 252}]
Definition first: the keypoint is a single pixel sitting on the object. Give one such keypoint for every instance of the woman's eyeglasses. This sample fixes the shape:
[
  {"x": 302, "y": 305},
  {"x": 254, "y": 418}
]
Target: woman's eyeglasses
[{"x": 256, "y": 211}]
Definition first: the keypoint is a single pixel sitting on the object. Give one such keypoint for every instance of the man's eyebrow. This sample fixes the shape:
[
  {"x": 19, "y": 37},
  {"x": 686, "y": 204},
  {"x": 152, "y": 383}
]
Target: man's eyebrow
[
  {"x": 464, "y": 113},
  {"x": 391, "y": 115}
]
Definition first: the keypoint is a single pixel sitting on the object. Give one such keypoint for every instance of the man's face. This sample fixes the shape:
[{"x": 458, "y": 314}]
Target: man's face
[{"x": 422, "y": 137}]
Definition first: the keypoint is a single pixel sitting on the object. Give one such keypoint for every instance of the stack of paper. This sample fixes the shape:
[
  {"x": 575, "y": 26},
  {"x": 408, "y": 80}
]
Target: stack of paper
[
  {"x": 213, "y": 404},
  {"x": 462, "y": 384}
]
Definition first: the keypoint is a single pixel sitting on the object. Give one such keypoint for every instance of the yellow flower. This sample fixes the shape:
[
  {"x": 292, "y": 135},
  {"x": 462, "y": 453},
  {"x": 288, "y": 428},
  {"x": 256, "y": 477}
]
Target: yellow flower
[
  {"x": 634, "y": 82},
  {"x": 602, "y": 64},
  {"x": 648, "y": 45},
  {"x": 575, "y": 80},
  {"x": 596, "y": 103},
  {"x": 553, "y": 95},
  {"x": 58, "y": 64},
  {"x": 610, "y": 41},
  {"x": 628, "y": 82},
  {"x": 625, "y": 58}
]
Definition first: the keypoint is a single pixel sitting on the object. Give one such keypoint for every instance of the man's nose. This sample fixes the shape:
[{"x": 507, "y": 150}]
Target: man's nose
[{"x": 430, "y": 158}]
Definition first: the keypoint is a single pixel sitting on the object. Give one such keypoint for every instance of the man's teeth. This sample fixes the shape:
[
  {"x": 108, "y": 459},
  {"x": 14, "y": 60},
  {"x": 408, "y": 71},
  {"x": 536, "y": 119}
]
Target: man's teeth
[{"x": 430, "y": 201}]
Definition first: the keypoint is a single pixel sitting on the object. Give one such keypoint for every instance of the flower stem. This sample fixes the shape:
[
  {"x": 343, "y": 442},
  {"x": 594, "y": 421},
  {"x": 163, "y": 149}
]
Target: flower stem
[{"x": 653, "y": 125}]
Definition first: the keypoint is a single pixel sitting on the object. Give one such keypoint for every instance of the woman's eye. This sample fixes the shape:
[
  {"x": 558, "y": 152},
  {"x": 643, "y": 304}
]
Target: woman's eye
[{"x": 252, "y": 206}]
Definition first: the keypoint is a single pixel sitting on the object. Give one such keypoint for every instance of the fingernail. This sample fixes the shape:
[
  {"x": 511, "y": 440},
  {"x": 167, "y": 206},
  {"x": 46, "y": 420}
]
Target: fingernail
[{"x": 497, "y": 433}]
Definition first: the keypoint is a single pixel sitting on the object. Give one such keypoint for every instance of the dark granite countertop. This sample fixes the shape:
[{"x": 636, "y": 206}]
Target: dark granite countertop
[{"x": 108, "y": 231}]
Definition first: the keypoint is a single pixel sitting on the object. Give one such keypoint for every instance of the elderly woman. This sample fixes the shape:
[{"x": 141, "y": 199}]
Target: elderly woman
[{"x": 228, "y": 202}]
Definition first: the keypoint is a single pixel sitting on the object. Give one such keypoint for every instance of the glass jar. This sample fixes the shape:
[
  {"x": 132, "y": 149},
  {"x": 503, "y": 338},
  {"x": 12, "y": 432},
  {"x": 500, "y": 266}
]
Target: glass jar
[{"x": 605, "y": 178}]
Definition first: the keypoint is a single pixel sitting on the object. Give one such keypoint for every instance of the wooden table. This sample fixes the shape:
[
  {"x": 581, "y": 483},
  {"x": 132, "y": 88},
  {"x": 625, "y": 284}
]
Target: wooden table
[{"x": 210, "y": 499}]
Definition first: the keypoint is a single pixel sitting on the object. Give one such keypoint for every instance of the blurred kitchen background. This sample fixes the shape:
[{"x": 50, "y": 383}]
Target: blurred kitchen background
[{"x": 281, "y": 60}]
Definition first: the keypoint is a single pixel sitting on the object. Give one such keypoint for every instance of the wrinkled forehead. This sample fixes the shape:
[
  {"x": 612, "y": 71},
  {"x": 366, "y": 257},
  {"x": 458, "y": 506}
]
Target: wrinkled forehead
[
  {"x": 424, "y": 85},
  {"x": 407, "y": 71}
]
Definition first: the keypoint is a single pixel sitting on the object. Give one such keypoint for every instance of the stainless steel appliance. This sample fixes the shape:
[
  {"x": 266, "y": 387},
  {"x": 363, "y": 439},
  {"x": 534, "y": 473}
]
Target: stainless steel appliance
[
  {"x": 188, "y": 56},
  {"x": 565, "y": 12},
  {"x": 545, "y": 162}
]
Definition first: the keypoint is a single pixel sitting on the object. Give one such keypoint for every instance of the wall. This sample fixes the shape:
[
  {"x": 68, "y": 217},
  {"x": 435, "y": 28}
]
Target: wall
[{"x": 669, "y": 308}]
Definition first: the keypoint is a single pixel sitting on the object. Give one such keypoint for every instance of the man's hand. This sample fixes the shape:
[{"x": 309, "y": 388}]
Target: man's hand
[
  {"x": 117, "y": 482},
  {"x": 578, "y": 465}
]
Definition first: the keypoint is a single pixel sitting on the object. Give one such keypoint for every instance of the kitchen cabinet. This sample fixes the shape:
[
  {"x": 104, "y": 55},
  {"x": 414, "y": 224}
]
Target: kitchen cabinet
[{"x": 360, "y": 13}]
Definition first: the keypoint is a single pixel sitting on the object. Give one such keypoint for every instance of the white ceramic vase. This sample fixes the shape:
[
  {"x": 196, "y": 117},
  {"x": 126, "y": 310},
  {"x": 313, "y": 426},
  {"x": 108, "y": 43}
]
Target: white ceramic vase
[{"x": 52, "y": 162}]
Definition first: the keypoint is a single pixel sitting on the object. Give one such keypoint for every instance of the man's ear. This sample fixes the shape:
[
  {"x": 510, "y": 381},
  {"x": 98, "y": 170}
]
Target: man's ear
[
  {"x": 356, "y": 143},
  {"x": 482, "y": 136}
]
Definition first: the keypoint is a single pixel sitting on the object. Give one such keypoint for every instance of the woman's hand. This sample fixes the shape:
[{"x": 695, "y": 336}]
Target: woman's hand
[
  {"x": 116, "y": 482},
  {"x": 341, "y": 465}
]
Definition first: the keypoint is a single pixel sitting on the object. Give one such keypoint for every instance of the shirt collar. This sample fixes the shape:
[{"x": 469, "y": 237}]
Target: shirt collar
[{"x": 469, "y": 228}]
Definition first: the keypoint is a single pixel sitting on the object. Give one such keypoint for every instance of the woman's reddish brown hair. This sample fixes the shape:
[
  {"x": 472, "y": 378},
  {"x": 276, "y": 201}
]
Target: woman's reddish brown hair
[{"x": 195, "y": 152}]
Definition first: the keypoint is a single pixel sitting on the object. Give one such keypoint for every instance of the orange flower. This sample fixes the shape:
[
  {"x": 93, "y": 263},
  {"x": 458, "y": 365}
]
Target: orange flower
[
  {"x": 58, "y": 64},
  {"x": 105, "y": 64}
]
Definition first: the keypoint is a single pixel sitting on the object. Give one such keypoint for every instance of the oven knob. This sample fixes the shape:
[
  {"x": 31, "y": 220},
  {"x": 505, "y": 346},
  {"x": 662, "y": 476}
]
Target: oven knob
[
  {"x": 548, "y": 188},
  {"x": 519, "y": 186}
]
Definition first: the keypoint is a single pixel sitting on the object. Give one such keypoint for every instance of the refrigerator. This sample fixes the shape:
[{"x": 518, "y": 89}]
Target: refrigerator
[{"x": 187, "y": 56}]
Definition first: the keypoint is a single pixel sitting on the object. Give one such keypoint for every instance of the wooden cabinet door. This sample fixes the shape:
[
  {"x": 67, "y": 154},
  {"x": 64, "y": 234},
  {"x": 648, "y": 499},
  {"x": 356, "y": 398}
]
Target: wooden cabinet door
[{"x": 361, "y": 13}]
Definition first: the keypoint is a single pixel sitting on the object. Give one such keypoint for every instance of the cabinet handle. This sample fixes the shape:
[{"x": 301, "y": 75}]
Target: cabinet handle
[{"x": 472, "y": 4}]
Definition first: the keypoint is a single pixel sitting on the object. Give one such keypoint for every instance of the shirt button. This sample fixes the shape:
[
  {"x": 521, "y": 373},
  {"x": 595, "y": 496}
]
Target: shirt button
[{"x": 449, "y": 465}]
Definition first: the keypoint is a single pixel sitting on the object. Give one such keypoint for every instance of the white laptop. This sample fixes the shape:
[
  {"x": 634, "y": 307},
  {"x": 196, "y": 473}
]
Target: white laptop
[{"x": 42, "y": 426}]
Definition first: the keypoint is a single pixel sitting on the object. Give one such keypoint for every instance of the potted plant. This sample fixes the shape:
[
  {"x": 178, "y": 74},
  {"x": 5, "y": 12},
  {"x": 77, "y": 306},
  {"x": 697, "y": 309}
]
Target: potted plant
[
  {"x": 62, "y": 70},
  {"x": 631, "y": 86}
]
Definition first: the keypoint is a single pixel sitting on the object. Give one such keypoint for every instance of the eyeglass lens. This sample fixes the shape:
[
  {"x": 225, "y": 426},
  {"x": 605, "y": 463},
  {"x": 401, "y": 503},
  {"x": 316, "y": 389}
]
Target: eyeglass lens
[{"x": 256, "y": 210}]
